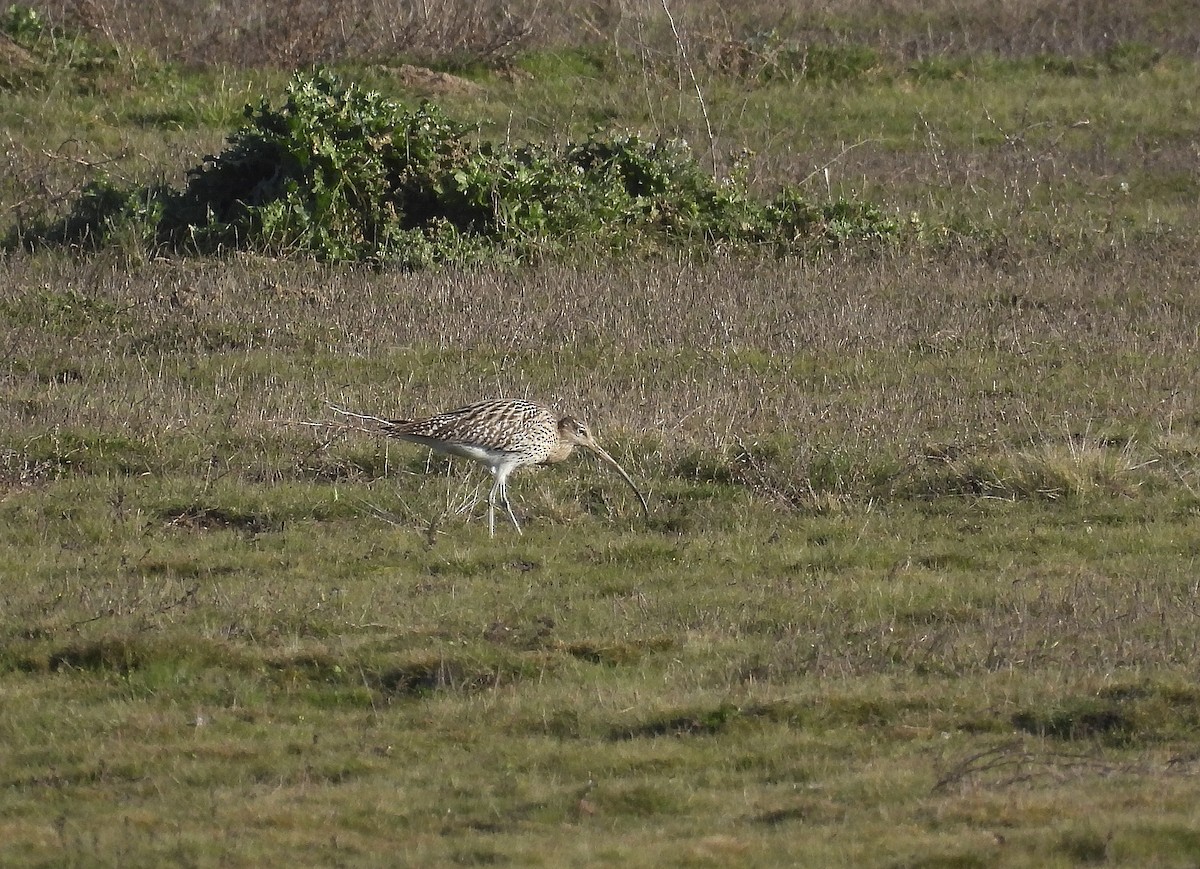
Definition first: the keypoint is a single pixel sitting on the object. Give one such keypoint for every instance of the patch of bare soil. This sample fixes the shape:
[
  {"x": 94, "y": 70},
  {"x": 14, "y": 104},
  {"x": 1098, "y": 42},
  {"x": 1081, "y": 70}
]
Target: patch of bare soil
[{"x": 429, "y": 81}]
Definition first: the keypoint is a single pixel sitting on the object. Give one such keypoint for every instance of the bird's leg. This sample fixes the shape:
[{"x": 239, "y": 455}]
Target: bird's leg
[
  {"x": 496, "y": 486},
  {"x": 508, "y": 506},
  {"x": 501, "y": 488}
]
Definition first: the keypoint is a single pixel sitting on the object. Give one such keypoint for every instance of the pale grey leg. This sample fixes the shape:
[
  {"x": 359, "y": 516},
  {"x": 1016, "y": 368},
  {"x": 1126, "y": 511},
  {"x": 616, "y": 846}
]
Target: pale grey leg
[
  {"x": 502, "y": 488},
  {"x": 492, "y": 505}
]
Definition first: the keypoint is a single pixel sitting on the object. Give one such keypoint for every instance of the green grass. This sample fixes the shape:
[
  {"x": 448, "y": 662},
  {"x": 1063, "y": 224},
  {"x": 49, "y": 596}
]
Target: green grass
[
  {"x": 662, "y": 697},
  {"x": 978, "y": 650},
  {"x": 918, "y": 585}
]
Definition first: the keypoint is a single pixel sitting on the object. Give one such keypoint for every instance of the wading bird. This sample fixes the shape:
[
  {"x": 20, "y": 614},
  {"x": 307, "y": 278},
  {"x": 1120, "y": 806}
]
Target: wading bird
[{"x": 503, "y": 435}]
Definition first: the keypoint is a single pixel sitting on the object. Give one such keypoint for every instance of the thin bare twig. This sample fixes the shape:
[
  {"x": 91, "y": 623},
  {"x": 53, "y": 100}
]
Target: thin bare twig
[
  {"x": 712, "y": 140},
  {"x": 831, "y": 161}
]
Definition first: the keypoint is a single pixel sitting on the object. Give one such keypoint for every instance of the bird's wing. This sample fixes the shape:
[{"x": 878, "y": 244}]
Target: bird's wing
[{"x": 497, "y": 424}]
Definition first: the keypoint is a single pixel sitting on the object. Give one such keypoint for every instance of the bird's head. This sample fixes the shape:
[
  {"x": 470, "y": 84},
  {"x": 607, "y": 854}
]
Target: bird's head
[{"x": 575, "y": 432}]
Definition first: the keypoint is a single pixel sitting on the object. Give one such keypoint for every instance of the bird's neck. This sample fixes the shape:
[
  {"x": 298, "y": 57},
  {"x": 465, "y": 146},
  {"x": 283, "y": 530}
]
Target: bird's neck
[{"x": 559, "y": 452}]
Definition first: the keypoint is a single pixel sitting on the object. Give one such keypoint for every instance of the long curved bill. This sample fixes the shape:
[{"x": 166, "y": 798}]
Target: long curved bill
[{"x": 598, "y": 450}]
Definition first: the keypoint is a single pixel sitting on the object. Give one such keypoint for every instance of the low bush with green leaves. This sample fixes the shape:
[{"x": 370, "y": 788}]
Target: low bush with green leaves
[
  {"x": 342, "y": 174},
  {"x": 60, "y": 47}
]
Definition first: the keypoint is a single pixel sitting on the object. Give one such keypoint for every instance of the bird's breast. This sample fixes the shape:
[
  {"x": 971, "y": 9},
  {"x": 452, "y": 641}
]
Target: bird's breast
[{"x": 559, "y": 452}]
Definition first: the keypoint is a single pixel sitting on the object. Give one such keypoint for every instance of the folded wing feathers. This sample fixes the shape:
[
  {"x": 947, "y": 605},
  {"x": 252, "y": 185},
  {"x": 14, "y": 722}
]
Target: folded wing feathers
[{"x": 514, "y": 426}]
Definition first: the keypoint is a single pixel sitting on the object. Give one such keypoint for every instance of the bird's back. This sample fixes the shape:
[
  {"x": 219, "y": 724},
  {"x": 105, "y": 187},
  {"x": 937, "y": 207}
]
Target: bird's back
[{"x": 486, "y": 428}]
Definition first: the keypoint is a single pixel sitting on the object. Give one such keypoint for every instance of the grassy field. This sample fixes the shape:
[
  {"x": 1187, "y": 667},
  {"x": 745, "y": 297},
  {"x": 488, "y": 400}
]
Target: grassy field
[{"x": 919, "y": 586}]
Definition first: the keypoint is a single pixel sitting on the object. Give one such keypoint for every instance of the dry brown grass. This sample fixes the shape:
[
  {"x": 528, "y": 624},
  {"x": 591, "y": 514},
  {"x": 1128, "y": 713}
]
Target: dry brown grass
[
  {"x": 297, "y": 33},
  {"x": 294, "y": 33},
  {"x": 977, "y": 27},
  {"x": 973, "y": 376}
]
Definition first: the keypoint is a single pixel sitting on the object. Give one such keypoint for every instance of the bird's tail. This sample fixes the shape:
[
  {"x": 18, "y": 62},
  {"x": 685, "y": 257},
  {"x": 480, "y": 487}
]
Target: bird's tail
[{"x": 385, "y": 425}]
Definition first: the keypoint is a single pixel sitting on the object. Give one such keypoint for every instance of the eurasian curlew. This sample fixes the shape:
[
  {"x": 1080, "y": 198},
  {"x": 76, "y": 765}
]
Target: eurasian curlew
[{"x": 503, "y": 435}]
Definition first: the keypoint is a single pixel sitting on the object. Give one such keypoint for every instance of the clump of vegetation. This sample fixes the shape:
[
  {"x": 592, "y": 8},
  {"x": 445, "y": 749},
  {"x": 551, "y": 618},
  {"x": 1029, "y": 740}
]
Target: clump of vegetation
[
  {"x": 342, "y": 173},
  {"x": 768, "y": 57},
  {"x": 38, "y": 46}
]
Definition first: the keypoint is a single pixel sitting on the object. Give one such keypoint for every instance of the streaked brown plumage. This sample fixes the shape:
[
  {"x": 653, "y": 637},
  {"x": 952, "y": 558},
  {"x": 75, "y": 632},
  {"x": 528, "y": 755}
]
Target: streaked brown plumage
[{"x": 503, "y": 435}]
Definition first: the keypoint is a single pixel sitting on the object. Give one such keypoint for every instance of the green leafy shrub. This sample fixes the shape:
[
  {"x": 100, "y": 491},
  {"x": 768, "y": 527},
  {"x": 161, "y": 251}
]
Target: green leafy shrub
[
  {"x": 105, "y": 214},
  {"x": 342, "y": 173},
  {"x": 55, "y": 45},
  {"x": 23, "y": 25}
]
